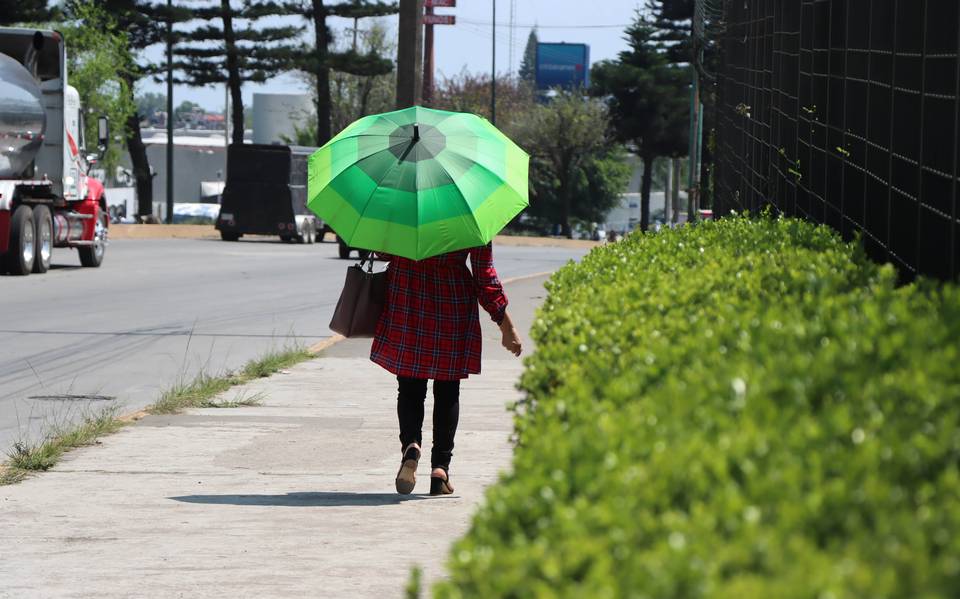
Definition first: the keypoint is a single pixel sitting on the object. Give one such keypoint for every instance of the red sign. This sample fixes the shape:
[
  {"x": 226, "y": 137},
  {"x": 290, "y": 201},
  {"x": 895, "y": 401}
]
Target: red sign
[
  {"x": 439, "y": 20},
  {"x": 440, "y": 3}
]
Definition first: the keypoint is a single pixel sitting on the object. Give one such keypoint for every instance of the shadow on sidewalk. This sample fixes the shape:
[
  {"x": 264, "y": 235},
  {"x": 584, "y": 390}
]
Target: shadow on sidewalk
[{"x": 314, "y": 499}]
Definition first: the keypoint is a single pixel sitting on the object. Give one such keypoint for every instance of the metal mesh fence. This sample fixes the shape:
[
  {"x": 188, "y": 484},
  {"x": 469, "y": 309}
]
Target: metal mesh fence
[{"x": 846, "y": 112}]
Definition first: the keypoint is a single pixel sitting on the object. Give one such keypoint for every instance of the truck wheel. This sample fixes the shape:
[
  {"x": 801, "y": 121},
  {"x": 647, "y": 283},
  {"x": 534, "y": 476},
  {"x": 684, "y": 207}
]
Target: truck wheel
[
  {"x": 43, "y": 240},
  {"x": 229, "y": 236},
  {"x": 22, "y": 248},
  {"x": 343, "y": 250},
  {"x": 92, "y": 255},
  {"x": 302, "y": 234}
]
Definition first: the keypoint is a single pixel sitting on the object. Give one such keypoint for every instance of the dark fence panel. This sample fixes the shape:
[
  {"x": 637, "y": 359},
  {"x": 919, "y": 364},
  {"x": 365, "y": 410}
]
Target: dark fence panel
[{"x": 846, "y": 112}]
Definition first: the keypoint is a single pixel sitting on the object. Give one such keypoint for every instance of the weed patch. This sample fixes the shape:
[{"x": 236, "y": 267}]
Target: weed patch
[
  {"x": 201, "y": 392},
  {"x": 27, "y": 457}
]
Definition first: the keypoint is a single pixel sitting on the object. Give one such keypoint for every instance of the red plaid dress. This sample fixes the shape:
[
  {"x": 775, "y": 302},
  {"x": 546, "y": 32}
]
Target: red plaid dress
[{"x": 430, "y": 326}]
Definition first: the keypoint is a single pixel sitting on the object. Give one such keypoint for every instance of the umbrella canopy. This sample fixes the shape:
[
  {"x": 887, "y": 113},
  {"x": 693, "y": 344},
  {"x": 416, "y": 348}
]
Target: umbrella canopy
[{"x": 418, "y": 182}]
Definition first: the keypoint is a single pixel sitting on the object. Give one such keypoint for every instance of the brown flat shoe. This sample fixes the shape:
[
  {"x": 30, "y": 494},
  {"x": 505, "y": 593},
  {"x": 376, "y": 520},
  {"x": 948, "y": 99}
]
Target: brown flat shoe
[
  {"x": 440, "y": 485},
  {"x": 407, "y": 475}
]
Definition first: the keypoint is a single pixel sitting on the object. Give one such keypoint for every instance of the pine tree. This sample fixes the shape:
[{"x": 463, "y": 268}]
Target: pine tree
[
  {"x": 648, "y": 101},
  {"x": 321, "y": 59},
  {"x": 237, "y": 50},
  {"x": 673, "y": 21},
  {"x": 145, "y": 23},
  {"x": 528, "y": 66},
  {"x": 13, "y": 12}
]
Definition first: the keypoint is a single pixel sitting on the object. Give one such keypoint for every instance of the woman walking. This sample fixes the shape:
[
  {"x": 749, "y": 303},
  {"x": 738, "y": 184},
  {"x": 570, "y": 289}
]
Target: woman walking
[{"x": 430, "y": 329}]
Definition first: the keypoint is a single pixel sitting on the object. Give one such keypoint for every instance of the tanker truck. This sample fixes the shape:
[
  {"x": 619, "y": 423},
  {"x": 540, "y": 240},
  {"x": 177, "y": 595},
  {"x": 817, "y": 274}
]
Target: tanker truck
[{"x": 47, "y": 200}]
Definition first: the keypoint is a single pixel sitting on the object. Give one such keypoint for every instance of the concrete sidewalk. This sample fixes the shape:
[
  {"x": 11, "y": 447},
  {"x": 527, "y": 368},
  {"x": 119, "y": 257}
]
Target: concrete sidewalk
[{"x": 293, "y": 498}]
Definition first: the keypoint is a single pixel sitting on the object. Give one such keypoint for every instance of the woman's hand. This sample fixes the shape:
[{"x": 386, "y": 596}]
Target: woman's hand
[{"x": 511, "y": 338}]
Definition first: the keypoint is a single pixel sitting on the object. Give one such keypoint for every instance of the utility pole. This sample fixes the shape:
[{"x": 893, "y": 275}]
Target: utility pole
[
  {"x": 693, "y": 178},
  {"x": 409, "y": 53},
  {"x": 226, "y": 129},
  {"x": 429, "y": 20},
  {"x": 493, "y": 68},
  {"x": 428, "y": 58},
  {"x": 169, "y": 112},
  {"x": 667, "y": 195}
]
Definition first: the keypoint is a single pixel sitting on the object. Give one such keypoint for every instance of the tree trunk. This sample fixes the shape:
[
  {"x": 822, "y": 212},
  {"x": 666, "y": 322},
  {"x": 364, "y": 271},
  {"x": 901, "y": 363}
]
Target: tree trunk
[
  {"x": 367, "y": 89},
  {"x": 675, "y": 199},
  {"x": 322, "y": 72},
  {"x": 233, "y": 71},
  {"x": 138, "y": 158},
  {"x": 645, "y": 193},
  {"x": 565, "y": 228}
]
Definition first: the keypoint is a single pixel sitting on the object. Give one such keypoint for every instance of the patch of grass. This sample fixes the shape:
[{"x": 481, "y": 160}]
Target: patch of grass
[
  {"x": 241, "y": 401},
  {"x": 201, "y": 391},
  {"x": 275, "y": 362},
  {"x": 28, "y": 457}
]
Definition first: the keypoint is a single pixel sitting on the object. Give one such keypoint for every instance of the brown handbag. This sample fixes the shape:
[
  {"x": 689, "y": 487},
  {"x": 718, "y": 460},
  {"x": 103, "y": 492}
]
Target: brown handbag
[{"x": 361, "y": 301}]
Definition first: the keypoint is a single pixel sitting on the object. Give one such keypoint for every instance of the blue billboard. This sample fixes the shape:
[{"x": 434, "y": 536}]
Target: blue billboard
[{"x": 563, "y": 65}]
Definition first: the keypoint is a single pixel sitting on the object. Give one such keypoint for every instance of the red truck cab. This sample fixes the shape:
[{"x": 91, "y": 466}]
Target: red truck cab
[{"x": 47, "y": 200}]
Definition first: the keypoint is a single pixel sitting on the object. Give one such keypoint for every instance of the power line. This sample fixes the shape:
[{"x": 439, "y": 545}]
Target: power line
[{"x": 539, "y": 26}]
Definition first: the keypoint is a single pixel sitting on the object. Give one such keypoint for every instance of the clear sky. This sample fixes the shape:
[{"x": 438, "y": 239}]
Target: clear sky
[{"x": 467, "y": 45}]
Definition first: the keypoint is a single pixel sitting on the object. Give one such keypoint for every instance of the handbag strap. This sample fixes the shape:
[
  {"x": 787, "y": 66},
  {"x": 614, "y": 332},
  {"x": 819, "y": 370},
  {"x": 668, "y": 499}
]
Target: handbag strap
[{"x": 368, "y": 261}]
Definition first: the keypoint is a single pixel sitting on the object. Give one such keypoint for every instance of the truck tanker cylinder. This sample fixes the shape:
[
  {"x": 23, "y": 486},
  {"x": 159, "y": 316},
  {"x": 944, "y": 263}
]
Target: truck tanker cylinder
[{"x": 23, "y": 120}]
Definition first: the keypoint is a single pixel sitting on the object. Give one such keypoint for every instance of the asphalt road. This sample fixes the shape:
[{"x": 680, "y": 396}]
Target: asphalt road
[{"x": 158, "y": 311}]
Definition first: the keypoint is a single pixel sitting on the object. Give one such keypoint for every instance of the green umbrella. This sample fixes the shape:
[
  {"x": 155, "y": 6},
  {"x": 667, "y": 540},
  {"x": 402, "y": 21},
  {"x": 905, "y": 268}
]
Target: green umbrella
[{"x": 418, "y": 182}]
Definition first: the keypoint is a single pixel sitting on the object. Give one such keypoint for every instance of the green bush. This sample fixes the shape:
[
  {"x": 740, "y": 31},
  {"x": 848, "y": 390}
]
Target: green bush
[{"x": 746, "y": 408}]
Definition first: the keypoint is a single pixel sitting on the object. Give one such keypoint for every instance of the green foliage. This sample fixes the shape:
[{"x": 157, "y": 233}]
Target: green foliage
[
  {"x": 742, "y": 408},
  {"x": 323, "y": 58},
  {"x": 576, "y": 170},
  {"x": 150, "y": 103},
  {"x": 239, "y": 49},
  {"x": 369, "y": 92},
  {"x": 648, "y": 99},
  {"x": 97, "y": 60},
  {"x": 26, "y": 458},
  {"x": 648, "y": 96},
  {"x": 528, "y": 66},
  {"x": 201, "y": 391},
  {"x": 17, "y": 12},
  {"x": 469, "y": 92}
]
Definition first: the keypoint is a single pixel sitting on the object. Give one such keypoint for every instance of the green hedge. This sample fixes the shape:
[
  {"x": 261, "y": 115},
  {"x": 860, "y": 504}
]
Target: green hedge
[{"x": 741, "y": 409}]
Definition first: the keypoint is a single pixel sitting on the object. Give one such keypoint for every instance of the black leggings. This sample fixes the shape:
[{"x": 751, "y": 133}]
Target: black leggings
[{"x": 446, "y": 413}]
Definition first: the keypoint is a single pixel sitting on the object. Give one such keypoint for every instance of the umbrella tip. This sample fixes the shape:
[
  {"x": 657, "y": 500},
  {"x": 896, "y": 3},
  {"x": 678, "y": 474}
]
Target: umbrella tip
[{"x": 416, "y": 131}]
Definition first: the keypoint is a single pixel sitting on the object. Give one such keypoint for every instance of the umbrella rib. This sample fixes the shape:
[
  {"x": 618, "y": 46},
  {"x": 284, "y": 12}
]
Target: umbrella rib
[
  {"x": 463, "y": 198},
  {"x": 359, "y": 160}
]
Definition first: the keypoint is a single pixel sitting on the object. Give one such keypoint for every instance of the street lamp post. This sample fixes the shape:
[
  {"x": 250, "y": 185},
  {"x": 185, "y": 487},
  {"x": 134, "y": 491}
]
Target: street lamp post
[{"x": 169, "y": 111}]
